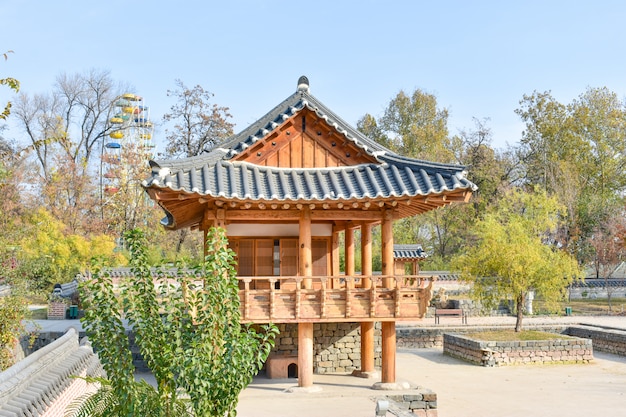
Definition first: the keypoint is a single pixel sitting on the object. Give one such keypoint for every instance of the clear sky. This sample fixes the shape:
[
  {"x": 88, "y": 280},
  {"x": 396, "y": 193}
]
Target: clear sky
[{"x": 477, "y": 57}]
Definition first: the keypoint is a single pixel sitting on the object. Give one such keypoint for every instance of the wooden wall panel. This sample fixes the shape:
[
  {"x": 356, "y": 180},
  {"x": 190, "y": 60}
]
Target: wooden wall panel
[
  {"x": 284, "y": 156},
  {"x": 321, "y": 260},
  {"x": 288, "y": 257},
  {"x": 264, "y": 257},
  {"x": 272, "y": 160},
  {"x": 246, "y": 258},
  {"x": 320, "y": 156},
  {"x": 296, "y": 152},
  {"x": 308, "y": 152}
]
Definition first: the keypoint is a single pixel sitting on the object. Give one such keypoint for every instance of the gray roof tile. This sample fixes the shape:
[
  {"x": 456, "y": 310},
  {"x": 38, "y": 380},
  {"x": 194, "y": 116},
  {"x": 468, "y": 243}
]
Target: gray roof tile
[{"x": 246, "y": 181}]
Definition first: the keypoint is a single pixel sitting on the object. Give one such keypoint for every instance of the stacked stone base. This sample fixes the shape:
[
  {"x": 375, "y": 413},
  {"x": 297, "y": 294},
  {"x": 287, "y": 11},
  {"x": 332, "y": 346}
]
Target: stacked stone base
[
  {"x": 604, "y": 339},
  {"x": 421, "y": 402},
  {"x": 489, "y": 353}
]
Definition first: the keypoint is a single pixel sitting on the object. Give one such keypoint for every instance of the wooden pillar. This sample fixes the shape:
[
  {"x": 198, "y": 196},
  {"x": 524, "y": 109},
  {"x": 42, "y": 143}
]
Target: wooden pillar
[
  {"x": 306, "y": 260},
  {"x": 367, "y": 328},
  {"x": 305, "y": 330},
  {"x": 349, "y": 246},
  {"x": 386, "y": 230},
  {"x": 388, "y": 328},
  {"x": 305, "y": 354},
  {"x": 336, "y": 271},
  {"x": 366, "y": 254},
  {"x": 388, "y": 374}
]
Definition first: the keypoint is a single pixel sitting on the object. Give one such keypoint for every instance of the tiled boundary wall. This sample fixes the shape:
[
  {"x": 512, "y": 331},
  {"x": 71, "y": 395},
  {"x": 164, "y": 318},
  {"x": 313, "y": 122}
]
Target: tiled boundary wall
[
  {"x": 489, "y": 353},
  {"x": 42, "y": 383}
]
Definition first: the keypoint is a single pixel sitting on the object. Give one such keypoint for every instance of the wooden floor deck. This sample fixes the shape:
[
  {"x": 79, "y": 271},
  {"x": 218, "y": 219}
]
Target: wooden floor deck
[{"x": 333, "y": 299}]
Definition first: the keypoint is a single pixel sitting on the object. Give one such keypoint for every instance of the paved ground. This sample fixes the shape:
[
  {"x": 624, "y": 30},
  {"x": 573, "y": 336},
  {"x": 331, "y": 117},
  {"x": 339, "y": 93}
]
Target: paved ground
[{"x": 463, "y": 390}]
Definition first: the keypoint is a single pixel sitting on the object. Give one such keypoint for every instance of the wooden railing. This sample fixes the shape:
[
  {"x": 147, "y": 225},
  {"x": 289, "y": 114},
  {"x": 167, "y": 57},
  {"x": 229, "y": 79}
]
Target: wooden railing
[{"x": 333, "y": 299}]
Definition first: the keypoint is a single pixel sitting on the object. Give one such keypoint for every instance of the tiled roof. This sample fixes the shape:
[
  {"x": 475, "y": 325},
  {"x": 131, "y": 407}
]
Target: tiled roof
[
  {"x": 212, "y": 174},
  {"x": 245, "y": 181},
  {"x": 215, "y": 174},
  {"x": 408, "y": 252}
]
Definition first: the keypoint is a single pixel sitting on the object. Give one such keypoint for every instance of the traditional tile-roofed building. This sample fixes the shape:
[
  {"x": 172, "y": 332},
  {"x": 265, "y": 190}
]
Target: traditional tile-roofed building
[{"x": 285, "y": 188}]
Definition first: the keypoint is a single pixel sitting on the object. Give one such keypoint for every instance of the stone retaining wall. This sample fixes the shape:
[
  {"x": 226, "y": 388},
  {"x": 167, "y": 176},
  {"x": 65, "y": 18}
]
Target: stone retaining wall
[
  {"x": 489, "y": 353},
  {"x": 336, "y": 346},
  {"x": 604, "y": 339}
]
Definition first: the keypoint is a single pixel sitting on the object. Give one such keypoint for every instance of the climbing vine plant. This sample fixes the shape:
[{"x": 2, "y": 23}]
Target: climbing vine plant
[{"x": 189, "y": 333}]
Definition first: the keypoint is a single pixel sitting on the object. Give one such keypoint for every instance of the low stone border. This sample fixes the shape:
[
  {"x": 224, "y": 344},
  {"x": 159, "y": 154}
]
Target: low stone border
[
  {"x": 604, "y": 339},
  {"x": 422, "y": 402},
  {"x": 490, "y": 353},
  {"x": 430, "y": 337}
]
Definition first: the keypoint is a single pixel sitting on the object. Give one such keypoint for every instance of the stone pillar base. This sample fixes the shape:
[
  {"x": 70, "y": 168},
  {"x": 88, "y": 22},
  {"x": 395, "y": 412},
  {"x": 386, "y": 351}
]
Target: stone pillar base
[
  {"x": 366, "y": 374},
  {"x": 305, "y": 390},
  {"x": 393, "y": 386}
]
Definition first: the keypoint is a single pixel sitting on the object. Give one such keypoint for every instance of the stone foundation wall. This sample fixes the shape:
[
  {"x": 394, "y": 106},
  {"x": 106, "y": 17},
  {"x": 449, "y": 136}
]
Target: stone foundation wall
[
  {"x": 570, "y": 350},
  {"x": 336, "y": 346},
  {"x": 605, "y": 339}
]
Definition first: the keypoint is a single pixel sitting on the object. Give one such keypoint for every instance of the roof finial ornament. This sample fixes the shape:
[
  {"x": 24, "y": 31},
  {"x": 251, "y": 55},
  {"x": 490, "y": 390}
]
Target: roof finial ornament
[{"x": 303, "y": 84}]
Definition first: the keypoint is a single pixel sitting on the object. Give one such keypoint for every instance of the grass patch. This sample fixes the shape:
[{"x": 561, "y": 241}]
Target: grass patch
[
  {"x": 583, "y": 307},
  {"x": 513, "y": 336},
  {"x": 39, "y": 314}
]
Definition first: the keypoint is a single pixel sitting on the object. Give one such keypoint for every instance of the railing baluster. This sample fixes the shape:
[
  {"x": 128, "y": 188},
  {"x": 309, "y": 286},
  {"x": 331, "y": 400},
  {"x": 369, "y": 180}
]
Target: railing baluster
[
  {"x": 298, "y": 296},
  {"x": 272, "y": 295},
  {"x": 246, "y": 300},
  {"x": 293, "y": 302},
  {"x": 323, "y": 298}
]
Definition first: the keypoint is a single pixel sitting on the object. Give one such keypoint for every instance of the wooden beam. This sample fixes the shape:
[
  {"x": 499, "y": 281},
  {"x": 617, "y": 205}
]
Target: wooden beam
[{"x": 355, "y": 215}]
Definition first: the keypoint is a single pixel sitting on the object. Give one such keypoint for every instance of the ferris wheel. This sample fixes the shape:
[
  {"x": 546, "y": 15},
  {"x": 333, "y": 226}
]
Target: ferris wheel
[
  {"x": 125, "y": 153},
  {"x": 128, "y": 145}
]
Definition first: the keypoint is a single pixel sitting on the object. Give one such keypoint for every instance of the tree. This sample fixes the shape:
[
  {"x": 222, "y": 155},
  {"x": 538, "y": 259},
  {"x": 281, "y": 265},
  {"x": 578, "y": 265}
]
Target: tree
[
  {"x": 13, "y": 307},
  {"x": 66, "y": 130},
  {"x": 414, "y": 126},
  {"x": 189, "y": 334},
  {"x": 609, "y": 249},
  {"x": 50, "y": 253},
  {"x": 576, "y": 152},
  {"x": 513, "y": 253},
  {"x": 198, "y": 124},
  {"x": 13, "y": 84}
]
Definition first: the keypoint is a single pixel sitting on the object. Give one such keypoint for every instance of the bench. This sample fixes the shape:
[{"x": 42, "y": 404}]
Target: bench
[{"x": 450, "y": 312}]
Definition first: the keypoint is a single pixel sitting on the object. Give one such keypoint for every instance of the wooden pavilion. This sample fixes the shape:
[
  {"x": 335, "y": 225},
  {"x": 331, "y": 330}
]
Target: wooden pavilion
[{"x": 284, "y": 189}]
